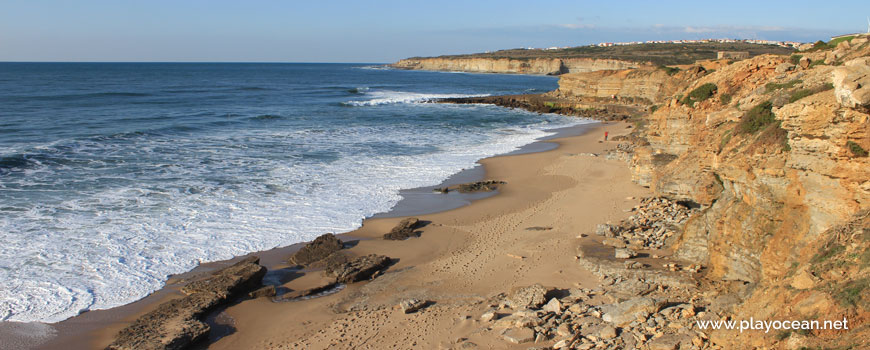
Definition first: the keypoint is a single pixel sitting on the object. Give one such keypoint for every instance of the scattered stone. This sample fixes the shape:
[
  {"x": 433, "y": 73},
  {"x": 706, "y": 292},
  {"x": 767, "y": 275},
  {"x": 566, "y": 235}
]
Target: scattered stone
[
  {"x": 481, "y": 186},
  {"x": 606, "y": 230},
  {"x": 488, "y": 315},
  {"x": 358, "y": 269},
  {"x": 317, "y": 250},
  {"x": 265, "y": 292},
  {"x": 553, "y": 306},
  {"x": 404, "y": 230},
  {"x": 411, "y": 305},
  {"x": 805, "y": 62},
  {"x": 630, "y": 310},
  {"x": 623, "y": 253},
  {"x": 519, "y": 335},
  {"x": 784, "y": 67},
  {"x": 803, "y": 280},
  {"x": 442, "y": 190},
  {"x": 614, "y": 242},
  {"x": 608, "y": 332},
  {"x": 527, "y": 297}
]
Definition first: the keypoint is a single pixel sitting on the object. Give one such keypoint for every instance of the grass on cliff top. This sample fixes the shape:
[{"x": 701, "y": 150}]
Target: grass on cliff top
[
  {"x": 699, "y": 94},
  {"x": 658, "y": 54}
]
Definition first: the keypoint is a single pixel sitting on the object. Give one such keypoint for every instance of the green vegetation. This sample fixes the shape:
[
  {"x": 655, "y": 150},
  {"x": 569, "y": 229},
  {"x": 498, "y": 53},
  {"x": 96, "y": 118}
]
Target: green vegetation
[
  {"x": 856, "y": 149},
  {"x": 699, "y": 94},
  {"x": 725, "y": 139},
  {"x": 795, "y": 59},
  {"x": 799, "y": 94},
  {"x": 850, "y": 294},
  {"x": 657, "y": 54},
  {"x": 757, "y": 118},
  {"x": 670, "y": 70},
  {"x": 653, "y": 108},
  {"x": 827, "y": 254},
  {"x": 725, "y": 99},
  {"x": 818, "y": 62},
  {"x": 776, "y": 86}
]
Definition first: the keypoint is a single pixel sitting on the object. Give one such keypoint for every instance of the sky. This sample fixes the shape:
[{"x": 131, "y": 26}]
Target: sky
[{"x": 378, "y": 31}]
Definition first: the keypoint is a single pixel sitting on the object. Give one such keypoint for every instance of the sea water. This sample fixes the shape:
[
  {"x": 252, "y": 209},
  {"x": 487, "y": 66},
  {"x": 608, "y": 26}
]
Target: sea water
[{"x": 114, "y": 176}]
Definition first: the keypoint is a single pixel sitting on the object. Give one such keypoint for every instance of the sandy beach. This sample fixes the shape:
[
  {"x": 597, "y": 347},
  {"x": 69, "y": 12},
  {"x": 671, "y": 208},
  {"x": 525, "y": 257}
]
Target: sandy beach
[{"x": 463, "y": 259}]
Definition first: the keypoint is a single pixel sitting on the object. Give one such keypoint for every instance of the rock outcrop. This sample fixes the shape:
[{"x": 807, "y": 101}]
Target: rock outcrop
[
  {"x": 356, "y": 269},
  {"x": 177, "y": 324},
  {"x": 316, "y": 250},
  {"x": 404, "y": 230}
]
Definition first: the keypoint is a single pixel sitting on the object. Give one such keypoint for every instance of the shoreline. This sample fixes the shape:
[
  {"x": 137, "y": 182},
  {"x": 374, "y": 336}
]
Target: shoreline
[
  {"x": 82, "y": 330},
  {"x": 527, "y": 234}
]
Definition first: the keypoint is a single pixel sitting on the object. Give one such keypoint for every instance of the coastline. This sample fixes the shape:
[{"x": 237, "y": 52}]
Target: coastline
[{"x": 95, "y": 329}]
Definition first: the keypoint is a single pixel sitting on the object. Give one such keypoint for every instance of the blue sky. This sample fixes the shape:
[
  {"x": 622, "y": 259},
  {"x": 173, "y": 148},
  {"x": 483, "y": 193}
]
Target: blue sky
[{"x": 384, "y": 31}]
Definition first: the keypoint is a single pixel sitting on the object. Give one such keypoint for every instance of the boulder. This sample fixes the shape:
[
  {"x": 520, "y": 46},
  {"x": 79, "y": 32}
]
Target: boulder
[
  {"x": 317, "y": 250},
  {"x": 784, "y": 67},
  {"x": 852, "y": 83},
  {"x": 624, "y": 253},
  {"x": 519, "y": 335},
  {"x": 404, "y": 230},
  {"x": 630, "y": 310},
  {"x": 357, "y": 269},
  {"x": 553, "y": 306},
  {"x": 607, "y": 332},
  {"x": 488, "y": 315},
  {"x": 528, "y": 297},
  {"x": 805, "y": 62},
  {"x": 606, "y": 230},
  {"x": 803, "y": 280},
  {"x": 411, "y": 305}
]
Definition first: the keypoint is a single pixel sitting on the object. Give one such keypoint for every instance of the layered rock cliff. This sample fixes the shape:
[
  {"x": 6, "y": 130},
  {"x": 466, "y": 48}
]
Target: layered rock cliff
[
  {"x": 550, "y": 66},
  {"x": 774, "y": 155}
]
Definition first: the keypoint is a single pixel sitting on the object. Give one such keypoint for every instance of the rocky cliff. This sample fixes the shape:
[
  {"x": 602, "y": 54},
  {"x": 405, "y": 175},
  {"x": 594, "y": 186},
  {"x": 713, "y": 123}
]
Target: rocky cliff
[
  {"x": 646, "y": 83},
  {"x": 772, "y": 150},
  {"x": 551, "y": 66}
]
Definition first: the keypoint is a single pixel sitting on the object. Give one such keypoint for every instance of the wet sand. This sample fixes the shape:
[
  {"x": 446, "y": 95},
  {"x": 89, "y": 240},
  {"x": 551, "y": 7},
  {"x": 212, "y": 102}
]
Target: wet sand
[{"x": 464, "y": 257}]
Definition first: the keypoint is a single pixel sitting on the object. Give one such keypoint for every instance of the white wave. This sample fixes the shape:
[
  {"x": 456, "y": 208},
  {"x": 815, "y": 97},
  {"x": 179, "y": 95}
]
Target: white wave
[{"x": 392, "y": 97}]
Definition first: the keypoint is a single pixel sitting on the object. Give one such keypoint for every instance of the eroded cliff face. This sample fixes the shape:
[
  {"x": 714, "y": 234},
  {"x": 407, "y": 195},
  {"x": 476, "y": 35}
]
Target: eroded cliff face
[
  {"x": 776, "y": 159},
  {"x": 551, "y": 66},
  {"x": 647, "y": 83}
]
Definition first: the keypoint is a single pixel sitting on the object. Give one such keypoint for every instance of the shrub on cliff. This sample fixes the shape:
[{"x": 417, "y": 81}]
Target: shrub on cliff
[
  {"x": 856, "y": 149},
  {"x": 699, "y": 94},
  {"x": 757, "y": 118}
]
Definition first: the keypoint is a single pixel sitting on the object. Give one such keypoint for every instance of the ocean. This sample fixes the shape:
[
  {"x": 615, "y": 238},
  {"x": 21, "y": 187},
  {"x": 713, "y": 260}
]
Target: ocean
[{"x": 114, "y": 176}]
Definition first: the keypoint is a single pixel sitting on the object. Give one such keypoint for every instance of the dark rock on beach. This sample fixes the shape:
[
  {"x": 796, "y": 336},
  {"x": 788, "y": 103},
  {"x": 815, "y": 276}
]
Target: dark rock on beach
[
  {"x": 481, "y": 186},
  {"x": 404, "y": 230},
  {"x": 357, "y": 269},
  {"x": 177, "y": 324},
  {"x": 317, "y": 250}
]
